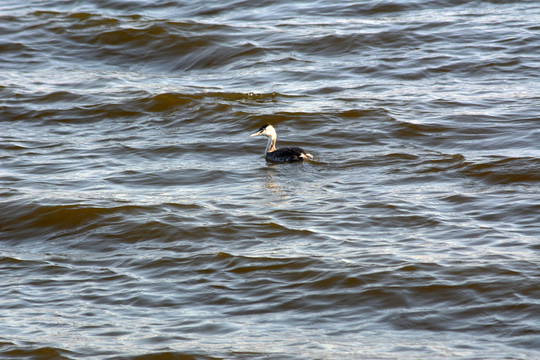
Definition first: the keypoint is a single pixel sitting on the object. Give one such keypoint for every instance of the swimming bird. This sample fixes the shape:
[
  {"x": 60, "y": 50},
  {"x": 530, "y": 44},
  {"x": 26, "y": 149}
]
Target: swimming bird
[{"x": 287, "y": 154}]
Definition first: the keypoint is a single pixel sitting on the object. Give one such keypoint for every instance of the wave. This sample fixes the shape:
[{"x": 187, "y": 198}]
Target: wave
[
  {"x": 73, "y": 107},
  {"x": 166, "y": 355},
  {"x": 504, "y": 170},
  {"x": 27, "y": 352},
  {"x": 32, "y": 221},
  {"x": 174, "y": 47},
  {"x": 161, "y": 44}
]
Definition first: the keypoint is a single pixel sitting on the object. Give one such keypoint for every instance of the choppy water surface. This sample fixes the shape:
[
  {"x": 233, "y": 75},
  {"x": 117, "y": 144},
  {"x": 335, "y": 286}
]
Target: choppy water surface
[{"x": 139, "y": 220}]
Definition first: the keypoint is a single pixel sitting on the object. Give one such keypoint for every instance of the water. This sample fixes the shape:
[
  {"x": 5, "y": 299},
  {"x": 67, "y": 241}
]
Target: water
[{"x": 140, "y": 220}]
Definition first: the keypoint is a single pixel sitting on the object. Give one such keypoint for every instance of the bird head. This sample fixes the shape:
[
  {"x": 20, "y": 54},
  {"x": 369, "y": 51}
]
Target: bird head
[{"x": 266, "y": 130}]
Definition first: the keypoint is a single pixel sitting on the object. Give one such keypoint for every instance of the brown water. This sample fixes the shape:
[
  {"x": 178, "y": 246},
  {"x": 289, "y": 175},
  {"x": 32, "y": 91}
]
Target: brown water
[{"x": 139, "y": 220}]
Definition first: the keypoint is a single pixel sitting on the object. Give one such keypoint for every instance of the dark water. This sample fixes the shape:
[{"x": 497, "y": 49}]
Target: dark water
[{"x": 139, "y": 220}]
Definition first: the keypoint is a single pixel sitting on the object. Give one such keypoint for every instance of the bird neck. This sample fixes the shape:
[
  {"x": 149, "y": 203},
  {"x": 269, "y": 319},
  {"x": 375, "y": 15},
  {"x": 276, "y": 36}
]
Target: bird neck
[{"x": 271, "y": 146}]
